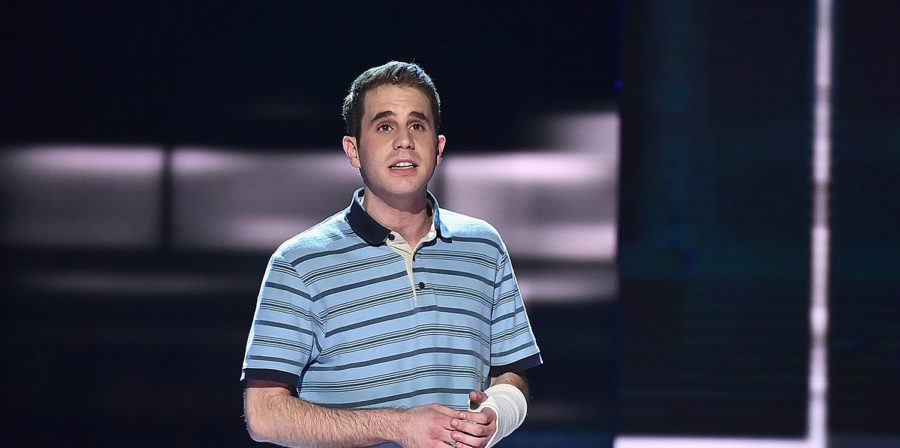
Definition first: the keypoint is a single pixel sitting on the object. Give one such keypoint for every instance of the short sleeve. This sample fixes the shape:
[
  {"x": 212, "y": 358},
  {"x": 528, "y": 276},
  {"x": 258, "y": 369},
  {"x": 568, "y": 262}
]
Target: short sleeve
[
  {"x": 284, "y": 334},
  {"x": 513, "y": 346}
]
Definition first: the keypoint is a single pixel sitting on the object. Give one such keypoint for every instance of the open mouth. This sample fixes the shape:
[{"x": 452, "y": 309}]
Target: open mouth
[{"x": 402, "y": 166}]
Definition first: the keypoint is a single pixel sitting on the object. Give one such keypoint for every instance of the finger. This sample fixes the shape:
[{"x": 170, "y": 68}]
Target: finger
[
  {"x": 475, "y": 417},
  {"x": 484, "y": 417},
  {"x": 447, "y": 438},
  {"x": 466, "y": 440},
  {"x": 443, "y": 410},
  {"x": 458, "y": 444},
  {"x": 471, "y": 428}
]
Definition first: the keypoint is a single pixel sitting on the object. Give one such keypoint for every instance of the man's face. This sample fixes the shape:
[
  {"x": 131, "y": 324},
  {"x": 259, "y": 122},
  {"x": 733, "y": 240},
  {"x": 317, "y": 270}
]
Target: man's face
[{"x": 398, "y": 148}]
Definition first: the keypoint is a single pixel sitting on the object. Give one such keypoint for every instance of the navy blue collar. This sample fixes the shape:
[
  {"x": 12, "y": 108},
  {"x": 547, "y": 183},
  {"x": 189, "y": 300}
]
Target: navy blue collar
[{"x": 374, "y": 233}]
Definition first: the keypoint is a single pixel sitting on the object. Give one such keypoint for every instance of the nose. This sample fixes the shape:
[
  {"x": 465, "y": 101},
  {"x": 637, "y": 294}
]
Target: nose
[{"x": 404, "y": 140}]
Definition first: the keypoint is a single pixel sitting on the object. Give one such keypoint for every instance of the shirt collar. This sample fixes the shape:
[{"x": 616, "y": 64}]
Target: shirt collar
[{"x": 374, "y": 233}]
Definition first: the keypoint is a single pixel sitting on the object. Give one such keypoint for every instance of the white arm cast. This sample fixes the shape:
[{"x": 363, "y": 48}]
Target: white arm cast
[{"x": 509, "y": 403}]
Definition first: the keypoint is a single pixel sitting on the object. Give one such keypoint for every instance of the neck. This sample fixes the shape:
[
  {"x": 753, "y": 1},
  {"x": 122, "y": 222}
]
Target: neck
[{"x": 407, "y": 216}]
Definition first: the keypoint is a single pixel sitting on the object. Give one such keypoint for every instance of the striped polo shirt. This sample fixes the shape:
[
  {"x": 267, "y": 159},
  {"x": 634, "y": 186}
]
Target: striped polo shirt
[{"x": 341, "y": 317}]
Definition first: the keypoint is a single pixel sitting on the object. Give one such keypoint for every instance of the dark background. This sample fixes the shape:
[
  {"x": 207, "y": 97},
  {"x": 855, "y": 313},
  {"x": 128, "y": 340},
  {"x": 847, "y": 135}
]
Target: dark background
[
  {"x": 274, "y": 73},
  {"x": 716, "y": 215}
]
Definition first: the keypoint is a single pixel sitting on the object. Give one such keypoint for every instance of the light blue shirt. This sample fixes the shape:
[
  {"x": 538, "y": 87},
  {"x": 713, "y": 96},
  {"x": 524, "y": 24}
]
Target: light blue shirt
[{"x": 340, "y": 317}]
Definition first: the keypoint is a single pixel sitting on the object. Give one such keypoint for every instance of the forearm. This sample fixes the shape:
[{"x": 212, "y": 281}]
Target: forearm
[
  {"x": 514, "y": 379},
  {"x": 286, "y": 420}
]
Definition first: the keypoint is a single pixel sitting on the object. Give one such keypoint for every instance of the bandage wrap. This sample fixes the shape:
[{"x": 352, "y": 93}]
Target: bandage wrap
[{"x": 509, "y": 404}]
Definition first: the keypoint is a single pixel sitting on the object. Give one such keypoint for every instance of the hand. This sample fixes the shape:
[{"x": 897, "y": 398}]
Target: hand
[
  {"x": 474, "y": 429},
  {"x": 427, "y": 426}
]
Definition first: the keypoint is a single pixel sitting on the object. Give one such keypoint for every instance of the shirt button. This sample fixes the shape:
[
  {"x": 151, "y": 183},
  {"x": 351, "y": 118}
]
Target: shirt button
[
  {"x": 421, "y": 285},
  {"x": 391, "y": 236}
]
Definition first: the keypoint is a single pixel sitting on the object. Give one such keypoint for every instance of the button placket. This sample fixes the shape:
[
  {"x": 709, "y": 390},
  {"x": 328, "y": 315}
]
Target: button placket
[{"x": 402, "y": 248}]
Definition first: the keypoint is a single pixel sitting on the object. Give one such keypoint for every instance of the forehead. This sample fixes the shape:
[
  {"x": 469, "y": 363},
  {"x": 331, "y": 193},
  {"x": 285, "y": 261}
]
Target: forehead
[{"x": 398, "y": 99}]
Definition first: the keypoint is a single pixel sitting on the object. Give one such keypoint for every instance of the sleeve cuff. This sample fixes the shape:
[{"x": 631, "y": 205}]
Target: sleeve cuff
[
  {"x": 518, "y": 366},
  {"x": 278, "y": 376}
]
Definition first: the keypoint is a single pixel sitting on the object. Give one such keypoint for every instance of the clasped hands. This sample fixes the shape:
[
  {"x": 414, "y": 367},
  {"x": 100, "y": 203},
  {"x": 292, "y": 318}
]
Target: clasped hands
[{"x": 431, "y": 427}]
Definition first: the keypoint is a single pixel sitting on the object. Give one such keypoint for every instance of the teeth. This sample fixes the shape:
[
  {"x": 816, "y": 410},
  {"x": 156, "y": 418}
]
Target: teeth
[{"x": 403, "y": 165}]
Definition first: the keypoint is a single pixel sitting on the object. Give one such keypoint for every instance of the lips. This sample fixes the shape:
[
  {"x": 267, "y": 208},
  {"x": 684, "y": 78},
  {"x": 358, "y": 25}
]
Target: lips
[{"x": 403, "y": 165}]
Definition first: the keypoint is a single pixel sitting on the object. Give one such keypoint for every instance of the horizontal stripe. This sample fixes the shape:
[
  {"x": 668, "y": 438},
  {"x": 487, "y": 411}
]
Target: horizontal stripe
[
  {"x": 284, "y": 268},
  {"x": 407, "y": 334},
  {"x": 364, "y": 303},
  {"x": 455, "y": 273},
  {"x": 356, "y": 285},
  {"x": 508, "y": 296},
  {"x": 268, "y": 323},
  {"x": 283, "y": 343},
  {"x": 433, "y": 308},
  {"x": 292, "y": 290},
  {"x": 511, "y": 315},
  {"x": 404, "y": 396},
  {"x": 513, "y": 350},
  {"x": 465, "y": 257},
  {"x": 463, "y": 293},
  {"x": 513, "y": 332},
  {"x": 391, "y": 378},
  {"x": 316, "y": 275},
  {"x": 282, "y": 307},
  {"x": 382, "y": 360},
  {"x": 479, "y": 240},
  {"x": 275, "y": 360},
  {"x": 313, "y": 256}
]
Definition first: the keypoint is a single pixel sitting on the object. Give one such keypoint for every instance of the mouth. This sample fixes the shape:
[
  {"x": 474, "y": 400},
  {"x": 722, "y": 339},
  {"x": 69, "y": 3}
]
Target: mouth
[{"x": 403, "y": 165}]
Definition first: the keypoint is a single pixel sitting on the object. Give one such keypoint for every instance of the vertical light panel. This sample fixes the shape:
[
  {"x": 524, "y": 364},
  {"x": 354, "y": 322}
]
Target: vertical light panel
[
  {"x": 820, "y": 235},
  {"x": 817, "y": 431}
]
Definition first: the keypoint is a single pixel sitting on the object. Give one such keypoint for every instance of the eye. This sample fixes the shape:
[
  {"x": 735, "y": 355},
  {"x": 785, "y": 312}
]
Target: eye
[
  {"x": 417, "y": 127},
  {"x": 384, "y": 127}
]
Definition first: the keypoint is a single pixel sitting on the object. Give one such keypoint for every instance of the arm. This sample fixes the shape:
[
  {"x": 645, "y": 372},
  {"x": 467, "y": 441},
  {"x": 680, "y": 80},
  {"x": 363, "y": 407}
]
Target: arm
[
  {"x": 512, "y": 378},
  {"x": 477, "y": 428},
  {"x": 274, "y": 415}
]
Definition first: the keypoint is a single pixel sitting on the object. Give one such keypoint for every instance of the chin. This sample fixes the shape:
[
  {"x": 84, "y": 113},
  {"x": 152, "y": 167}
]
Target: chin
[{"x": 406, "y": 191}]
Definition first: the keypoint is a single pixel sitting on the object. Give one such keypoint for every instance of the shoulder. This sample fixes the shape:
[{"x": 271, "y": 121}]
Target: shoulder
[
  {"x": 330, "y": 234},
  {"x": 466, "y": 227}
]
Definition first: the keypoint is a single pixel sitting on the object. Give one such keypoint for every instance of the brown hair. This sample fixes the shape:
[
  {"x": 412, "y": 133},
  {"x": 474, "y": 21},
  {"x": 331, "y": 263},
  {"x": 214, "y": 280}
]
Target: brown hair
[{"x": 393, "y": 73}]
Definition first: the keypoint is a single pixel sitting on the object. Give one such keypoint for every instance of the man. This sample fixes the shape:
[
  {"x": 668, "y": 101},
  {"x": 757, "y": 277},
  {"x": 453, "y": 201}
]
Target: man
[{"x": 395, "y": 322}]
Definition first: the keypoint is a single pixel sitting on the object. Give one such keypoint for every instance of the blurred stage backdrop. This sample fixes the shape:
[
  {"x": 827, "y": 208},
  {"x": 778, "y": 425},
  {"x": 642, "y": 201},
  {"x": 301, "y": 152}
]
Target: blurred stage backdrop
[{"x": 153, "y": 155}]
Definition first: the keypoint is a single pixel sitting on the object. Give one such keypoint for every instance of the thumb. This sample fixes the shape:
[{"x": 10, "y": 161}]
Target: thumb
[
  {"x": 476, "y": 397},
  {"x": 489, "y": 412}
]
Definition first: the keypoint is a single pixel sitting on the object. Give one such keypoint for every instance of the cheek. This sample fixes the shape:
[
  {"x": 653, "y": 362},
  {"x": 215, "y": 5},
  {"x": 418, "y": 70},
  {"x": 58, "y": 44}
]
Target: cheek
[{"x": 428, "y": 145}]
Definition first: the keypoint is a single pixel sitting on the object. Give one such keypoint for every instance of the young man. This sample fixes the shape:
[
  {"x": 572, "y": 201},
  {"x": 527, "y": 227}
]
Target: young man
[{"x": 395, "y": 322}]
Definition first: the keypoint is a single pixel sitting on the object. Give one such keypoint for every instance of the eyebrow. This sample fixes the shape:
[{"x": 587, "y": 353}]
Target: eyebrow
[
  {"x": 390, "y": 113},
  {"x": 420, "y": 116}
]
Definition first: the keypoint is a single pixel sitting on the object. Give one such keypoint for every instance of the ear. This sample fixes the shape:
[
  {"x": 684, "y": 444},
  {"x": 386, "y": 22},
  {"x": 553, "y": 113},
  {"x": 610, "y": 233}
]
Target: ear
[
  {"x": 440, "y": 147},
  {"x": 351, "y": 150}
]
